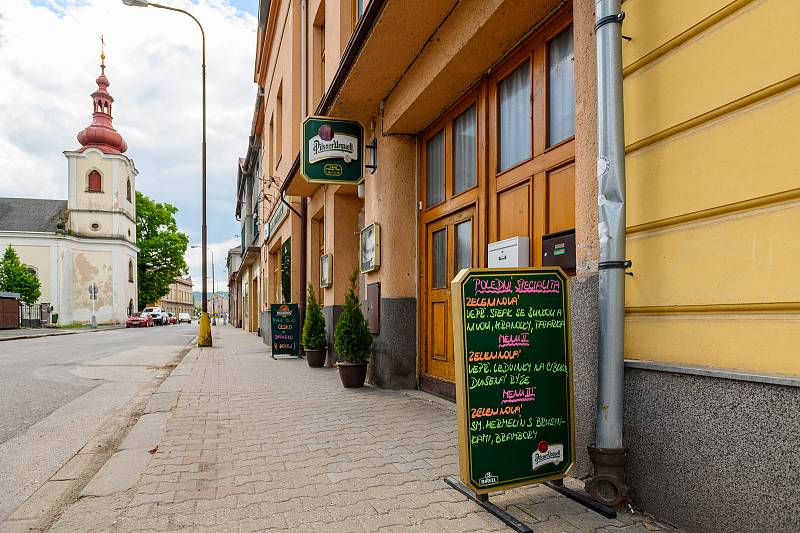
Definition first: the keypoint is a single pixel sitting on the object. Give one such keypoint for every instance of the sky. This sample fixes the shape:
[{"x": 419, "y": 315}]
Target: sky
[{"x": 49, "y": 59}]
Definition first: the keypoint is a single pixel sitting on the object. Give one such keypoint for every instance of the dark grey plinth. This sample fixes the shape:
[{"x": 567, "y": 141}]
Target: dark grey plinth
[
  {"x": 331, "y": 314},
  {"x": 585, "y": 318},
  {"x": 265, "y": 325},
  {"x": 394, "y": 359},
  {"x": 712, "y": 454}
]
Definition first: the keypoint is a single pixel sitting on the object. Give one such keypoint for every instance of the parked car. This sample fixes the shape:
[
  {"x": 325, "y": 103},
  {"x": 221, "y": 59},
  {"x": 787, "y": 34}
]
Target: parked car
[
  {"x": 139, "y": 320},
  {"x": 172, "y": 319},
  {"x": 184, "y": 317},
  {"x": 160, "y": 317}
]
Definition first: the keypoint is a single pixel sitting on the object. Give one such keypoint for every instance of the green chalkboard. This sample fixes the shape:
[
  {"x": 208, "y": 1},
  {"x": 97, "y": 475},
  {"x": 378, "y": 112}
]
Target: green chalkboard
[
  {"x": 285, "y": 321},
  {"x": 513, "y": 376}
]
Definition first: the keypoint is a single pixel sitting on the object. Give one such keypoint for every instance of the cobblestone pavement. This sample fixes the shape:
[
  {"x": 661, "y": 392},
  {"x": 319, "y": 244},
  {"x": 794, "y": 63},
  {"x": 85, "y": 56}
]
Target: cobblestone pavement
[{"x": 255, "y": 444}]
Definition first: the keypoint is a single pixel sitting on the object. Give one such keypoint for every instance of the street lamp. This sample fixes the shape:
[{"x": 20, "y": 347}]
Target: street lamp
[
  {"x": 204, "y": 335},
  {"x": 213, "y": 287}
]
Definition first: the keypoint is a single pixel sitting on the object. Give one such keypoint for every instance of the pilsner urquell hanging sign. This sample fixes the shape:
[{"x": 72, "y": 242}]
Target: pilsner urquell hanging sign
[{"x": 333, "y": 151}]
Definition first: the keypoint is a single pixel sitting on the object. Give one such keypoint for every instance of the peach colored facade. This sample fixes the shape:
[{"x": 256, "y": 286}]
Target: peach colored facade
[{"x": 705, "y": 212}]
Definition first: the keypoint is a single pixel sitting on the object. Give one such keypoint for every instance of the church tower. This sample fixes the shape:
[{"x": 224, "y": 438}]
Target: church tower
[
  {"x": 102, "y": 180},
  {"x": 100, "y": 234}
]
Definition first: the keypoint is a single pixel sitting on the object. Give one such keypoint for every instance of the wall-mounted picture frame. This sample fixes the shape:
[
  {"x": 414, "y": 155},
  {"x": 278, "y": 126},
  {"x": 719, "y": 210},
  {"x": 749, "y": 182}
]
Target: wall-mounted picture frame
[
  {"x": 370, "y": 248},
  {"x": 326, "y": 270}
]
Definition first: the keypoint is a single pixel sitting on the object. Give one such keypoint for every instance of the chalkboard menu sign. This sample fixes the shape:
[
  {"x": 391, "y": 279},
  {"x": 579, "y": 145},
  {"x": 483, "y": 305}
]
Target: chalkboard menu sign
[
  {"x": 513, "y": 376},
  {"x": 285, "y": 319}
]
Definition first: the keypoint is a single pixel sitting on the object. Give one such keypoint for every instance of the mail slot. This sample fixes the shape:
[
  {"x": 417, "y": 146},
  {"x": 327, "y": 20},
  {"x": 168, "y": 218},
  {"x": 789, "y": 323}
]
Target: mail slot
[
  {"x": 558, "y": 249},
  {"x": 512, "y": 252}
]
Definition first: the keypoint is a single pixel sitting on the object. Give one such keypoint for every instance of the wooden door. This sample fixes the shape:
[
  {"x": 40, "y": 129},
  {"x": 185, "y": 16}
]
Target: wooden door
[{"x": 451, "y": 246}]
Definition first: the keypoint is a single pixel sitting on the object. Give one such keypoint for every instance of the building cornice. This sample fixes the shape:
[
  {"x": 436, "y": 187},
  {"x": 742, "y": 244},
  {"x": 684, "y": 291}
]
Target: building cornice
[
  {"x": 45, "y": 235},
  {"x": 122, "y": 157},
  {"x": 105, "y": 211}
]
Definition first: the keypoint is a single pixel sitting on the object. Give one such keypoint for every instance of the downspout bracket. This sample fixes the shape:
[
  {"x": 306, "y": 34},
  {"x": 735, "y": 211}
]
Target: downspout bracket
[{"x": 610, "y": 19}]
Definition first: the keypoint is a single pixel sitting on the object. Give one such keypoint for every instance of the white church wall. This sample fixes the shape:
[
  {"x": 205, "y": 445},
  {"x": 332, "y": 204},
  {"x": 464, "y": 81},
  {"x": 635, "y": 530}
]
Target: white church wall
[{"x": 38, "y": 254}]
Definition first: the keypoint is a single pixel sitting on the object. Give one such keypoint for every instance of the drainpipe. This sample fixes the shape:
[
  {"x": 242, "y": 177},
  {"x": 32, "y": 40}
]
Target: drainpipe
[
  {"x": 609, "y": 455},
  {"x": 303, "y": 113}
]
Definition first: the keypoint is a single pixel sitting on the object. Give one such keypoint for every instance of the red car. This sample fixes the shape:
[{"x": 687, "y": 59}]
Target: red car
[
  {"x": 173, "y": 319},
  {"x": 139, "y": 320}
]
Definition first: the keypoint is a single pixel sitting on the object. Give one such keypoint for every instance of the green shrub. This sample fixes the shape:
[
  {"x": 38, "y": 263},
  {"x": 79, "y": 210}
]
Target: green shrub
[
  {"x": 352, "y": 338},
  {"x": 314, "y": 335}
]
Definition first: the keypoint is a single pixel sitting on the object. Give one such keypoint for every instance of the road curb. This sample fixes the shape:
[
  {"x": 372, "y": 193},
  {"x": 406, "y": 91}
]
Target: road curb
[{"x": 59, "y": 333}]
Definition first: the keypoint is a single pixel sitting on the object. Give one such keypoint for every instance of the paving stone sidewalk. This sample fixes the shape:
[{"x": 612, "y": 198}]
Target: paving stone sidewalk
[{"x": 256, "y": 444}]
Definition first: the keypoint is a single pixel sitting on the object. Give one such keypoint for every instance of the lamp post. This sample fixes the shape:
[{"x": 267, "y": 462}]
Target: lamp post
[
  {"x": 213, "y": 287},
  {"x": 204, "y": 335}
]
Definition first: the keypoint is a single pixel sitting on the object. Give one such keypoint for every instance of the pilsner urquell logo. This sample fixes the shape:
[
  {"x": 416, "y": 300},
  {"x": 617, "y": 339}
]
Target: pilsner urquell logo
[
  {"x": 328, "y": 144},
  {"x": 546, "y": 454},
  {"x": 488, "y": 478}
]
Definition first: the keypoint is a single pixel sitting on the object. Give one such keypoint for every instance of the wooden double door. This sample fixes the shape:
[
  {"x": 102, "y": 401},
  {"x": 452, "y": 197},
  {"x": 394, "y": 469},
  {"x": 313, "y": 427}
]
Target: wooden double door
[
  {"x": 499, "y": 163},
  {"x": 451, "y": 246}
]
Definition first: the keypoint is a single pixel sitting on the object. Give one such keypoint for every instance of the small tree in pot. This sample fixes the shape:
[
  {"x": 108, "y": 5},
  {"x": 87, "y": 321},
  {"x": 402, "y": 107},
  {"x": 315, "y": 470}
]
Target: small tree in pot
[
  {"x": 352, "y": 339},
  {"x": 315, "y": 339}
]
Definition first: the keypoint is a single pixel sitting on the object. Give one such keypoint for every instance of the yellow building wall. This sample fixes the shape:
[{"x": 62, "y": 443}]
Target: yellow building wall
[{"x": 712, "y": 103}]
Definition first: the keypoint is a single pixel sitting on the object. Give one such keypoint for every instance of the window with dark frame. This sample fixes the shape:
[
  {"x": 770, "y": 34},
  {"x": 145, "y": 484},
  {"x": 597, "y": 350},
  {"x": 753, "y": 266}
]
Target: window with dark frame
[{"x": 94, "y": 182}]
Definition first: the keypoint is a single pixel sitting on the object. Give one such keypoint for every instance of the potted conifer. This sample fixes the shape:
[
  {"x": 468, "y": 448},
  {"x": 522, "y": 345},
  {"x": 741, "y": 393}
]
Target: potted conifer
[
  {"x": 315, "y": 339},
  {"x": 352, "y": 339}
]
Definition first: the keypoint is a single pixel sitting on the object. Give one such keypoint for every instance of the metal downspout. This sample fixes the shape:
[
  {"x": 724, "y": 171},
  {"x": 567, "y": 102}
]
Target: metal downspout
[
  {"x": 609, "y": 454},
  {"x": 303, "y": 200}
]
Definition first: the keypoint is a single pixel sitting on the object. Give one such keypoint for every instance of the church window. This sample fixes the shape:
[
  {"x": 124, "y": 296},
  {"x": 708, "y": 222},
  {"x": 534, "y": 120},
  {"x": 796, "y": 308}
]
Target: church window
[
  {"x": 95, "y": 226},
  {"x": 130, "y": 270},
  {"x": 129, "y": 191},
  {"x": 32, "y": 271},
  {"x": 94, "y": 182}
]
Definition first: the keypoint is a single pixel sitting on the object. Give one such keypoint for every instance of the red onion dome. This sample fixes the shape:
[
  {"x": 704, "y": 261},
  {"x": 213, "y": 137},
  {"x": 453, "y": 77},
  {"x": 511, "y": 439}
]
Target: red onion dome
[{"x": 101, "y": 133}]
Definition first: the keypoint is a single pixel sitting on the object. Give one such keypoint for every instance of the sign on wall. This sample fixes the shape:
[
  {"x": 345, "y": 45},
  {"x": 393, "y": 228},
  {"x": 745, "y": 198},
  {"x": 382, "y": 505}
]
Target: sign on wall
[
  {"x": 513, "y": 376},
  {"x": 370, "y": 248},
  {"x": 333, "y": 151}
]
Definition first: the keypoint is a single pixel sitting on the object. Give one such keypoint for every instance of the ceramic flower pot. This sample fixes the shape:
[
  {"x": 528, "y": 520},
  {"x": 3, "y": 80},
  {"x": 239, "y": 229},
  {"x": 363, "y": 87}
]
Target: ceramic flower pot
[
  {"x": 316, "y": 358},
  {"x": 352, "y": 375}
]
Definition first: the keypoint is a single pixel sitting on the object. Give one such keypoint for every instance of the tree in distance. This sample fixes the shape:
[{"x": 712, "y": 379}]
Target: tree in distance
[
  {"x": 15, "y": 277},
  {"x": 352, "y": 338},
  {"x": 314, "y": 337},
  {"x": 161, "y": 248}
]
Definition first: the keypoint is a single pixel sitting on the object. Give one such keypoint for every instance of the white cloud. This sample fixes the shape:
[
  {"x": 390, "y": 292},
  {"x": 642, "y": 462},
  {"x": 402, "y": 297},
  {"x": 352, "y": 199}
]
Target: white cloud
[{"x": 49, "y": 55}]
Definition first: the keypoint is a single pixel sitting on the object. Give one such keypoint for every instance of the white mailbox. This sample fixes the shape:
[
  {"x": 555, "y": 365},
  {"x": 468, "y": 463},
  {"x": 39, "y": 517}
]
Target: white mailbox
[{"x": 512, "y": 252}]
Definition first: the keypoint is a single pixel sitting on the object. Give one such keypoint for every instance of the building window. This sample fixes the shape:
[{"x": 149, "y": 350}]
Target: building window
[
  {"x": 32, "y": 271},
  {"x": 561, "y": 88},
  {"x": 95, "y": 226},
  {"x": 319, "y": 54},
  {"x": 128, "y": 192},
  {"x": 439, "y": 259},
  {"x": 434, "y": 157},
  {"x": 279, "y": 127},
  {"x": 358, "y": 10},
  {"x": 286, "y": 271},
  {"x": 271, "y": 155},
  {"x": 130, "y": 270},
  {"x": 514, "y": 110},
  {"x": 463, "y": 245},
  {"x": 465, "y": 144},
  {"x": 94, "y": 182}
]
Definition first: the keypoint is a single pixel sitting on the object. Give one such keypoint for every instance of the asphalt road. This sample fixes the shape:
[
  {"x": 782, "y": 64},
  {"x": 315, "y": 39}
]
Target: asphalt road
[
  {"x": 57, "y": 392},
  {"x": 37, "y": 376}
]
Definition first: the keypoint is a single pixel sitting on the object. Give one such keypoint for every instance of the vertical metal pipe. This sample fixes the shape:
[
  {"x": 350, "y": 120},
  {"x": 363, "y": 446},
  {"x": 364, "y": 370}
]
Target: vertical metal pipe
[
  {"x": 304, "y": 253},
  {"x": 611, "y": 223}
]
